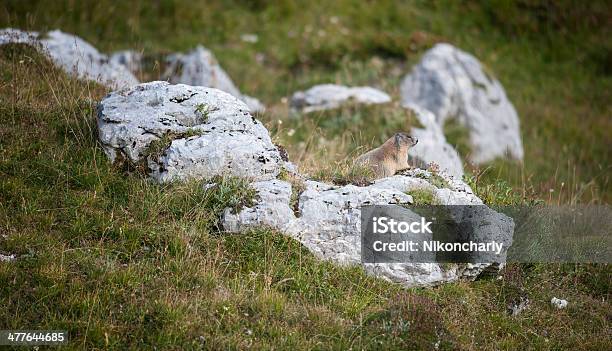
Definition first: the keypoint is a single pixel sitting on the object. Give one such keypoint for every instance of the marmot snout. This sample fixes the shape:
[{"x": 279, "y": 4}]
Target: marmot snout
[{"x": 390, "y": 157}]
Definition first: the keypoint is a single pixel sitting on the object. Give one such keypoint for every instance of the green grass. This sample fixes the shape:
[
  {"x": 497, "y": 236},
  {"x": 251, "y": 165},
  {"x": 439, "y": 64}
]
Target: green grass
[
  {"x": 422, "y": 197},
  {"x": 343, "y": 173},
  {"x": 123, "y": 263}
]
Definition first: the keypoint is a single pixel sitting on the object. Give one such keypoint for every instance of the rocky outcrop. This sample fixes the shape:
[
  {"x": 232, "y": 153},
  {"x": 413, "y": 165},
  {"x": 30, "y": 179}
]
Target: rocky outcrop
[
  {"x": 182, "y": 132},
  {"x": 328, "y": 221},
  {"x": 453, "y": 84},
  {"x": 432, "y": 146},
  {"x": 74, "y": 55},
  {"x": 330, "y": 96},
  {"x": 199, "y": 67}
]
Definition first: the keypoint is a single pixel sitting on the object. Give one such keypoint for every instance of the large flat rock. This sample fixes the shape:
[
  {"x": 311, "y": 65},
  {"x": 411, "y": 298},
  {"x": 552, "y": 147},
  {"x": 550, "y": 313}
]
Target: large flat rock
[{"x": 329, "y": 96}]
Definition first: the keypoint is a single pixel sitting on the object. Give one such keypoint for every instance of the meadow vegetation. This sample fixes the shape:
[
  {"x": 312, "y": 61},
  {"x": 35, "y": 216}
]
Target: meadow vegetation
[{"x": 123, "y": 263}]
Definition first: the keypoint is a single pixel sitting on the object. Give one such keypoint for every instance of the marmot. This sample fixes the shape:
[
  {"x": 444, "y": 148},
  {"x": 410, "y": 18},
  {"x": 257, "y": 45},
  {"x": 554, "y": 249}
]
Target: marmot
[{"x": 390, "y": 157}]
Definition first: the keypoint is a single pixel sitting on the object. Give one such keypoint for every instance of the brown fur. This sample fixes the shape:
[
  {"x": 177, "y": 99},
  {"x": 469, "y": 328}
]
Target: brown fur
[{"x": 390, "y": 157}]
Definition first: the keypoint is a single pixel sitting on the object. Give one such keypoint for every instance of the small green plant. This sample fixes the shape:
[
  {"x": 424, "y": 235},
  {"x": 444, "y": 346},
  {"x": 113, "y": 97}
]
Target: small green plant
[
  {"x": 495, "y": 193},
  {"x": 229, "y": 192},
  {"x": 423, "y": 197},
  {"x": 202, "y": 110},
  {"x": 414, "y": 319},
  {"x": 297, "y": 188},
  {"x": 437, "y": 181},
  {"x": 157, "y": 147}
]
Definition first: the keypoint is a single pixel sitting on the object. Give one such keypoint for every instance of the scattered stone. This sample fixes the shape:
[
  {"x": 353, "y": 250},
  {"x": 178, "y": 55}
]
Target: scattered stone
[
  {"x": 199, "y": 67},
  {"x": 7, "y": 258},
  {"x": 558, "y": 303},
  {"x": 328, "y": 221},
  {"x": 74, "y": 55},
  {"x": 453, "y": 84},
  {"x": 330, "y": 96},
  {"x": 517, "y": 307},
  {"x": 209, "y": 186},
  {"x": 182, "y": 132},
  {"x": 432, "y": 146},
  {"x": 249, "y": 38},
  {"x": 16, "y": 36}
]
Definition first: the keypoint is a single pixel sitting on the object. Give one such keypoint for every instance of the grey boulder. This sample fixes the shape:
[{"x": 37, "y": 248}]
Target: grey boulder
[
  {"x": 183, "y": 132},
  {"x": 453, "y": 84},
  {"x": 199, "y": 67},
  {"x": 331, "y": 96}
]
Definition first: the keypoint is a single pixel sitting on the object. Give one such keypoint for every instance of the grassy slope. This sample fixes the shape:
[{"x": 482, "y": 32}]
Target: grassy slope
[
  {"x": 552, "y": 57},
  {"x": 120, "y": 262}
]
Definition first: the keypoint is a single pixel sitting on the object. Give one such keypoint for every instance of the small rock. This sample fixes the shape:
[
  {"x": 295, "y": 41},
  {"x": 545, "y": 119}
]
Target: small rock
[
  {"x": 330, "y": 96},
  {"x": 209, "y": 186},
  {"x": 249, "y": 38},
  {"x": 558, "y": 303},
  {"x": 7, "y": 258},
  {"x": 12, "y": 35},
  {"x": 519, "y": 306}
]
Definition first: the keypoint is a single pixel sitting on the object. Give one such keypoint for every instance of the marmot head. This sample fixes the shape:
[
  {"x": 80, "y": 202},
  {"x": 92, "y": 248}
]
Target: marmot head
[{"x": 404, "y": 140}]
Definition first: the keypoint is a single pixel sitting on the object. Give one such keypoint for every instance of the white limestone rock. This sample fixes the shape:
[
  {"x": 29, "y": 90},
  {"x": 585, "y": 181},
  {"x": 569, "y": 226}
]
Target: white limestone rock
[
  {"x": 211, "y": 132},
  {"x": 328, "y": 221},
  {"x": 455, "y": 191},
  {"x": 432, "y": 146},
  {"x": 272, "y": 208},
  {"x": 199, "y": 67},
  {"x": 17, "y": 36},
  {"x": 330, "y": 96},
  {"x": 74, "y": 55},
  {"x": 453, "y": 84},
  {"x": 7, "y": 258},
  {"x": 330, "y": 218},
  {"x": 558, "y": 303}
]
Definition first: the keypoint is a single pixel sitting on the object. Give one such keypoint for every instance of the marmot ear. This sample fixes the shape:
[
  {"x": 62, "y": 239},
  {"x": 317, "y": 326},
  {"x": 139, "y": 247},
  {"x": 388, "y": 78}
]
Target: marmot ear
[{"x": 398, "y": 140}]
